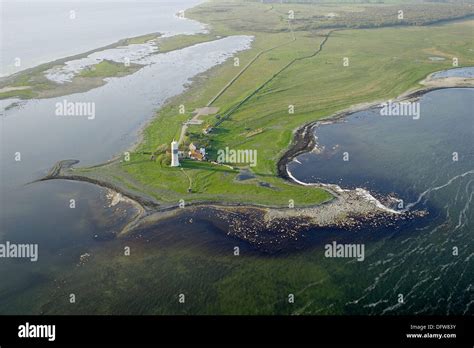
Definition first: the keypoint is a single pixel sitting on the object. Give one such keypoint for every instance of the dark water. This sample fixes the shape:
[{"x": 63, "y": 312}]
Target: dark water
[
  {"x": 412, "y": 160},
  {"x": 192, "y": 255},
  {"x": 398, "y": 154}
]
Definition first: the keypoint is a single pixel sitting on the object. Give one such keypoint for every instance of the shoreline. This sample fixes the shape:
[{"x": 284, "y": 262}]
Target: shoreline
[
  {"x": 83, "y": 84},
  {"x": 272, "y": 229},
  {"x": 303, "y": 136},
  {"x": 350, "y": 209},
  {"x": 78, "y": 84},
  {"x": 342, "y": 210},
  {"x": 12, "y": 83}
]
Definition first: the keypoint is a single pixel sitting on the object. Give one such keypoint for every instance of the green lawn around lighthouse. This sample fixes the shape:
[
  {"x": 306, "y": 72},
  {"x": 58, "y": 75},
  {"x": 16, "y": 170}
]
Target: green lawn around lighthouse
[{"x": 291, "y": 69}]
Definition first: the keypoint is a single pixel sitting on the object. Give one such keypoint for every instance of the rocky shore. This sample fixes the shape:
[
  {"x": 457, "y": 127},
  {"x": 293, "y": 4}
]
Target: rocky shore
[
  {"x": 279, "y": 230},
  {"x": 303, "y": 137},
  {"x": 268, "y": 228}
]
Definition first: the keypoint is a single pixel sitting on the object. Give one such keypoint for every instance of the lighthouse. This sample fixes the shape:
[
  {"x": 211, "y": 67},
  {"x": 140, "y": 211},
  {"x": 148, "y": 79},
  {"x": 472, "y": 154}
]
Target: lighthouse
[{"x": 174, "y": 154}]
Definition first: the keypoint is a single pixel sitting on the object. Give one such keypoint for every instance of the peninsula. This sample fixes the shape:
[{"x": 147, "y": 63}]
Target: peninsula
[{"x": 308, "y": 62}]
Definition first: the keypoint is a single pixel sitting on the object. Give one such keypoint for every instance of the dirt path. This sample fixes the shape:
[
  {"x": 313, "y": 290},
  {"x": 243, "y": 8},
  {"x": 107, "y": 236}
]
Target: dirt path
[
  {"x": 195, "y": 118},
  {"x": 208, "y": 110},
  {"x": 249, "y": 64},
  {"x": 235, "y": 108},
  {"x": 189, "y": 178}
]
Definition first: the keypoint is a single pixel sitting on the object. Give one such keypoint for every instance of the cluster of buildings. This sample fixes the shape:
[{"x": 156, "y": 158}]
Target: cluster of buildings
[{"x": 195, "y": 152}]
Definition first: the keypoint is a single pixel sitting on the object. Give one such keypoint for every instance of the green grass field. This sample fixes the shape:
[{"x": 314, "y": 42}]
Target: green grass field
[
  {"x": 383, "y": 63},
  {"x": 177, "y": 42},
  {"x": 107, "y": 68}
]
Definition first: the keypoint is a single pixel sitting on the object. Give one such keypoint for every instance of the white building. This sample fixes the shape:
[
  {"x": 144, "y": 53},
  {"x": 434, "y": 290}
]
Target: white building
[{"x": 174, "y": 154}]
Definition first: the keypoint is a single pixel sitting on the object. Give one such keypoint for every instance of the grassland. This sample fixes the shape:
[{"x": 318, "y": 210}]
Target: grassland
[
  {"x": 238, "y": 15},
  {"x": 105, "y": 68},
  {"x": 181, "y": 41},
  {"x": 383, "y": 63}
]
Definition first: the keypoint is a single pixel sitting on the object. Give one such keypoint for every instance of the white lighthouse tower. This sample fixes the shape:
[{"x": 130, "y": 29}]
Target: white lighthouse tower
[{"x": 174, "y": 154}]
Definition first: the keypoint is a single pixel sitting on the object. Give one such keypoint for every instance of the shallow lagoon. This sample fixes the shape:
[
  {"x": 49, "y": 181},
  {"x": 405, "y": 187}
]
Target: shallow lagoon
[{"x": 64, "y": 28}]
